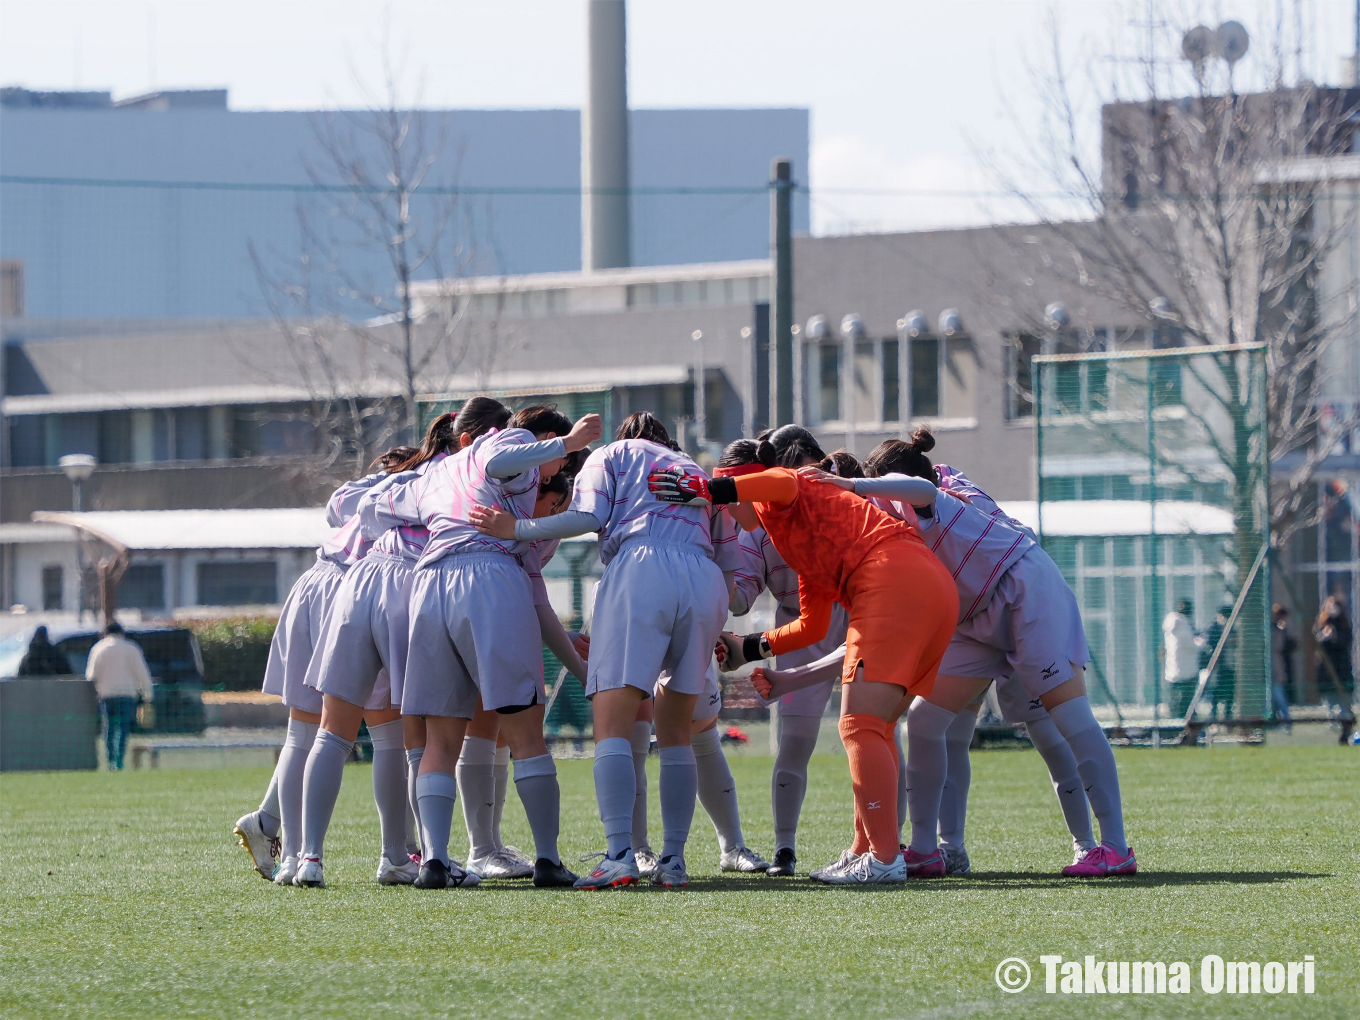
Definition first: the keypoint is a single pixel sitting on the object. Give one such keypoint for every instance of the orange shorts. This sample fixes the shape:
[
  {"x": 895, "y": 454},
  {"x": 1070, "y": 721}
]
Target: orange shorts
[{"x": 903, "y": 605}]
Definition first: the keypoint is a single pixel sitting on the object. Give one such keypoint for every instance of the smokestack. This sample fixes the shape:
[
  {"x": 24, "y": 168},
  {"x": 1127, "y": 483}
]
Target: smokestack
[{"x": 604, "y": 139}]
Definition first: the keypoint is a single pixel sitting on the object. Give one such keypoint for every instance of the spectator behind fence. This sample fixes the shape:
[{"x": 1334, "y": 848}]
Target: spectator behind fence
[
  {"x": 1282, "y": 645},
  {"x": 1336, "y": 678},
  {"x": 1222, "y": 689},
  {"x": 1181, "y": 666},
  {"x": 43, "y": 658},
  {"x": 120, "y": 677}
]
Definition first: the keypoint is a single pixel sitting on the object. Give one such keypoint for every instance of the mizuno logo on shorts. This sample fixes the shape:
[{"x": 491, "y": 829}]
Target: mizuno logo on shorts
[
  {"x": 874, "y": 805},
  {"x": 1051, "y": 671}
]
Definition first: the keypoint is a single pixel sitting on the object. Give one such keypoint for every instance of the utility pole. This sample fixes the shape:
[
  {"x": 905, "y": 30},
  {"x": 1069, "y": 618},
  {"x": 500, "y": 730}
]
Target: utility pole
[
  {"x": 781, "y": 305},
  {"x": 700, "y": 395}
]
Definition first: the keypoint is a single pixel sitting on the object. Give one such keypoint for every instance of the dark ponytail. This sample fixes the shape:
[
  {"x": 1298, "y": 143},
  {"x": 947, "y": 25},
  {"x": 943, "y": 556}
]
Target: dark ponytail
[
  {"x": 739, "y": 453},
  {"x": 842, "y": 463},
  {"x": 476, "y": 417},
  {"x": 642, "y": 425},
  {"x": 766, "y": 454},
  {"x": 392, "y": 460},
  {"x": 904, "y": 458}
]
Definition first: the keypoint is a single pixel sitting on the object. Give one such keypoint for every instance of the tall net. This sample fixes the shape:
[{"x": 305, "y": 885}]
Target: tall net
[{"x": 1153, "y": 474}]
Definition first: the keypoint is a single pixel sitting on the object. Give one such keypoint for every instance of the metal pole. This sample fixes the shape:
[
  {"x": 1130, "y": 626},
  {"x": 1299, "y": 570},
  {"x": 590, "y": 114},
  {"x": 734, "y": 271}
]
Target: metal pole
[
  {"x": 1154, "y": 616},
  {"x": 700, "y": 395},
  {"x": 781, "y": 307}
]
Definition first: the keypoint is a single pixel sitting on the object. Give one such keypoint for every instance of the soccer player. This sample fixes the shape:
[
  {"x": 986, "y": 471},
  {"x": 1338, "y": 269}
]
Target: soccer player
[
  {"x": 362, "y": 648},
  {"x": 484, "y": 764},
  {"x": 659, "y": 608},
  {"x": 290, "y": 653},
  {"x": 474, "y": 630},
  {"x": 901, "y": 604},
  {"x": 799, "y": 716},
  {"x": 1017, "y": 618}
]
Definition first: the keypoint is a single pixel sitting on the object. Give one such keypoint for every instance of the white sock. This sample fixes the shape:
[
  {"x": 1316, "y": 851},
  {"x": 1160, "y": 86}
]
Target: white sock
[
  {"x": 902, "y": 810},
  {"x": 389, "y": 788},
  {"x": 642, "y": 745},
  {"x": 1095, "y": 765},
  {"x": 717, "y": 788},
  {"x": 536, "y": 784},
  {"x": 679, "y": 786},
  {"x": 436, "y": 793},
  {"x": 958, "y": 776},
  {"x": 268, "y": 812},
  {"x": 502, "y": 788},
  {"x": 476, "y": 771},
  {"x": 613, "y": 772},
  {"x": 321, "y": 787},
  {"x": 413, "y": 756},
  {"x": 1067, "y": 784},
  {"x": 927, "y": 762},
  {"x": 290, "y": 771},
  {"x": 788, "y": 785}
]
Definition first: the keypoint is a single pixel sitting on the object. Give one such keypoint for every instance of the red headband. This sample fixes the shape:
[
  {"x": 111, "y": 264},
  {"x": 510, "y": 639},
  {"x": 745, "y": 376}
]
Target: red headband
[{"x": 738, "y": 470}]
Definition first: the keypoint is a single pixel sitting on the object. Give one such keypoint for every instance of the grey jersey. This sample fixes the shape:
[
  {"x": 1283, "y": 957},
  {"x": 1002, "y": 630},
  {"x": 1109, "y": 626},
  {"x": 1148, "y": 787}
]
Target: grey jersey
[
  {"x": 443, "y": 497},
  {"x": 612, "y": 487}
]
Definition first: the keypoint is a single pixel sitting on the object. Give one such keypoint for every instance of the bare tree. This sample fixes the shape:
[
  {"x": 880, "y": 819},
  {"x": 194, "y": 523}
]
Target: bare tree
[
  {"x": 378, "y": 221},
  {"x": 1208, "y": 216}
]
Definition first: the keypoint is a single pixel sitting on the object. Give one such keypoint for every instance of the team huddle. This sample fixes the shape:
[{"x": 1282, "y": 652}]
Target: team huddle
[{"x": 426, "y": 612}]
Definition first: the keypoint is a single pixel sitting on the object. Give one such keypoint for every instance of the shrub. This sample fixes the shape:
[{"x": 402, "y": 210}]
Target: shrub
[{"x": 234, "y": 651}]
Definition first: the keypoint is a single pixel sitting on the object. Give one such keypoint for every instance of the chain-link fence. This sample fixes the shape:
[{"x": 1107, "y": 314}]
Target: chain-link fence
[{"x": 1153, "y": 474}]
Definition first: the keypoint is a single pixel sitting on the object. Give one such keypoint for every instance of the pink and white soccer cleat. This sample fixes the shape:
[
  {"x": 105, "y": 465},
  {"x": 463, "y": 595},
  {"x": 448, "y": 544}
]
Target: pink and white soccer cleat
[
  {"x": 919, "y": 865},
  {"x": 1101, "y": 862}
]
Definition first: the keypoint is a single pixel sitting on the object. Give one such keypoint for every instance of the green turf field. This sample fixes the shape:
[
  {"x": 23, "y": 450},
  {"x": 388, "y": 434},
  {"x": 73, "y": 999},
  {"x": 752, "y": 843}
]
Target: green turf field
[{"x": 125, "y": 895}]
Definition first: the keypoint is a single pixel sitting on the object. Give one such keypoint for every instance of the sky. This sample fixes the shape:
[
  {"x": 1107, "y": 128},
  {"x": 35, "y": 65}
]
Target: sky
[{"x": 912, "y": 101}]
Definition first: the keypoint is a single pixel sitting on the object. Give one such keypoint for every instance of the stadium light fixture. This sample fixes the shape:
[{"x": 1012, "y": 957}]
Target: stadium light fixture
[{"x": 77, "y": 467}]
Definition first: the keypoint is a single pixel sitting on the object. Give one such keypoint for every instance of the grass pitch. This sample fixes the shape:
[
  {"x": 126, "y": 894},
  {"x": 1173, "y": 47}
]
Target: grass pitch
[{"x": 125, "y": 895}]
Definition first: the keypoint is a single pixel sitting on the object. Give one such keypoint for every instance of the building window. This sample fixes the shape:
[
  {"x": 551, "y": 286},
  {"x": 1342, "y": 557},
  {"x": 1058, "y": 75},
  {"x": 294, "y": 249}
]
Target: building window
[
  {"x": 828, "y": 382},
  {"x": 925, "y": 377},
  {"x": 891, "y": 382},
  {"x": 142, "y": 587},
  {"x": 53, "y": 579},
  {"x": 1020, "y": 351},
  {"x": 237, "y": 584}
]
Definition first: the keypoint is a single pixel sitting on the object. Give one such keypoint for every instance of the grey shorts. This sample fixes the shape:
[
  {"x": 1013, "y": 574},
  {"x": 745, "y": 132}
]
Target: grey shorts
[
  {"x": 1016, "y": 704},
  {"x": 658, "y": 609},
  {"x": 355, "y": 645},
  {"x": 709, "y": 702},
  {"x": 1030, "y": 630},
  {"x": 295, "y": 637},
  {"x": 399, "y": 637},
  {"x": 473, "y": 633}
]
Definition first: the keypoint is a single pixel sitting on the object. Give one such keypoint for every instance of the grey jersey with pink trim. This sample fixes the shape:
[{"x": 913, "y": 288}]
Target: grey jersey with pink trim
[
  {"x": 348, "y": 545},
  {"x": 976, "y": 541},
  {"x": 405, "y": 540},
  {"x": 612, "y": 487},
  {"x": 442, "y": 499}
]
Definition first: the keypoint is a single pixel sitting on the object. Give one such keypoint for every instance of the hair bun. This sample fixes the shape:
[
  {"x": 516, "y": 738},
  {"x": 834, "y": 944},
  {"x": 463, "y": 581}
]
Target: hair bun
[
  {"x": 922, "y": 441},
  {"x": 766, "y": 453}
]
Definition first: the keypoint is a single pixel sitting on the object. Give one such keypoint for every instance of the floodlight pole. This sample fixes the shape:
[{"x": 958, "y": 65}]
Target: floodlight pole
[
  {"x": 78, "y": 467},
  {"x": 700, "y": 394}
]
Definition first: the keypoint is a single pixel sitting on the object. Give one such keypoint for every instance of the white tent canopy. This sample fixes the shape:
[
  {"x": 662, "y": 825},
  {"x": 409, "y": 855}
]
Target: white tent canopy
[
  {"x": 165, "y": 530},
  {"x": 1117, "y": 517}
]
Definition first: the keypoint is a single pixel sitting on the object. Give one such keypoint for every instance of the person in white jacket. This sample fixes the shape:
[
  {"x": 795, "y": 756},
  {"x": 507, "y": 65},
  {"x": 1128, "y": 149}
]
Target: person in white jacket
[
  {"x": 118, "y": 669},
  {"x": 1180, "y": 669}
]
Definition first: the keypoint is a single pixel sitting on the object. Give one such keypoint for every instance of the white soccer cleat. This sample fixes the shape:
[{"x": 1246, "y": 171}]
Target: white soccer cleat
[
  {"x": 744, "y": 860},
  {"x": 610, "y": 874},
  {"x": 286, "y": 871},
  {"x": 403, "y": 873},
  {"x": 868, "y": 870},
  {"x": 309, "y": 874},
  {"x": 645, "y": 859},
  {"x": 956, "y": 860},
  {"x": 847, "y": 858},
  {"x": 670, "y": 873},
  {"x": 263, "y": 850},
  {"x": 501, "y": 864},
  {"x": 517, "y": 854}
]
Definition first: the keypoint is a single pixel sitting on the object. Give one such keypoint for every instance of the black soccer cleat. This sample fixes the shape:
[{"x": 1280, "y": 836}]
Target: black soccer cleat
[
  {"x": 783, "y": 864},
  {"x": 552, "y": 875},
  {"x": 435, "y": 874}
]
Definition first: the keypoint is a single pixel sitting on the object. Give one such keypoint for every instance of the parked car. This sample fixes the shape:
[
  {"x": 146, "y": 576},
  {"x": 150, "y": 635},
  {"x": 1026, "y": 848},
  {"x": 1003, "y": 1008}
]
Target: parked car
[{"x": 172, "y": 656}]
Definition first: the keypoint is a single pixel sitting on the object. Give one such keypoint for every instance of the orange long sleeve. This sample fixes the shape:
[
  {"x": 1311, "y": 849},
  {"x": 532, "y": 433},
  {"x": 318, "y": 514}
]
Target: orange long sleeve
[
  {"x": 814, "y": 620},
  {"x": 778, "y": 485}
]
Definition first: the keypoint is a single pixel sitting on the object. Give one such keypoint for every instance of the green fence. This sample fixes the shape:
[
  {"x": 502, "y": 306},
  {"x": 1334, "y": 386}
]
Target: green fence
[{"x": 1153, "y": 473}]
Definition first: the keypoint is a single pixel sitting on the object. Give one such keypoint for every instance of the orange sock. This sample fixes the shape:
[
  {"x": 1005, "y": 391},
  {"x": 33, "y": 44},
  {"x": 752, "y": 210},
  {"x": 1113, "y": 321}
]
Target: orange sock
[
  {"x": 861, "y": 843},
  {"x": 873, "y": 772}
]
